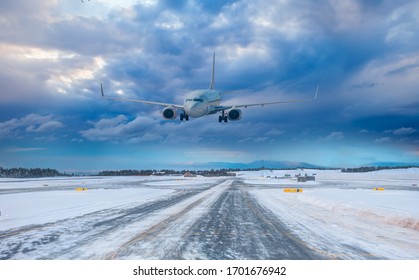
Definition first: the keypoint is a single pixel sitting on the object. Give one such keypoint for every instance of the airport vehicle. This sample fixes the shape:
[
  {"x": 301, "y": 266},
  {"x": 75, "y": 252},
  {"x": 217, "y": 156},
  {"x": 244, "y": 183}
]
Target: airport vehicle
[{"x": 204, "y": 102}]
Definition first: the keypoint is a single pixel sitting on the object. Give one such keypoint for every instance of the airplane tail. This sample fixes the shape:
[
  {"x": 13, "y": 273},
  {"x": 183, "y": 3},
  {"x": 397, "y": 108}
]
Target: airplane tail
[{"x": 212, "y": 84}]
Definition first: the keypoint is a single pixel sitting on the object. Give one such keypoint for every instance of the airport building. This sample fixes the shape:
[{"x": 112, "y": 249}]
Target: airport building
[{"x": 305, "y": 178}]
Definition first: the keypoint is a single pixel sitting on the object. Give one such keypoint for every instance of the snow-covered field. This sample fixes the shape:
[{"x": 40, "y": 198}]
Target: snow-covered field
[
  {"x": 339, "y": 216},
  {"x": 58, "y": 199}
]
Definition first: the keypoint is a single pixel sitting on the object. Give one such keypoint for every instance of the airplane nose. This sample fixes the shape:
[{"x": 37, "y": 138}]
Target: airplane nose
[
  {"x": 194, "y": 109},
  {"x": 191, "y": 105},
  {"x": 194, "y": 105}
]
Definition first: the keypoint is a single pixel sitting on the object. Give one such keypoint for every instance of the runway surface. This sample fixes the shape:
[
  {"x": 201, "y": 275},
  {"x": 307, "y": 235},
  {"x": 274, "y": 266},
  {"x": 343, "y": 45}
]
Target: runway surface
[
  {"x": 219, "y": 222},
  {"x": 218, "y": 219}
]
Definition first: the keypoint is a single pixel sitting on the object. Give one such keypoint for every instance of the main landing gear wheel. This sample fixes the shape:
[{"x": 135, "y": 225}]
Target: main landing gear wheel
[
  {"x": 222, "y": 118},
  {"x": 184, "y": 116}
]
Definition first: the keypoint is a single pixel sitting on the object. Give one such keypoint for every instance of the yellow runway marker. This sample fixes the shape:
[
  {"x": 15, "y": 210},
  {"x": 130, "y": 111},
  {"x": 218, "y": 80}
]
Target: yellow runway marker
[{"x": 293, "y": 190}]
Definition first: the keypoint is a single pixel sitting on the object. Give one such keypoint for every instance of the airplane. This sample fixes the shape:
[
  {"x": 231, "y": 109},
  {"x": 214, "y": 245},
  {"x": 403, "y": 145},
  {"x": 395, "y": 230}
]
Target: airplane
[{"x": 204, "y": 102}]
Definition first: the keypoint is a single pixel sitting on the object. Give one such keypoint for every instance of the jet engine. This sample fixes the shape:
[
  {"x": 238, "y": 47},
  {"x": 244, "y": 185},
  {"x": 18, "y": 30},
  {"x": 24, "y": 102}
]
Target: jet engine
[
  {"x": 234, "y": 114},
  {"x": 169, "y": 113}
]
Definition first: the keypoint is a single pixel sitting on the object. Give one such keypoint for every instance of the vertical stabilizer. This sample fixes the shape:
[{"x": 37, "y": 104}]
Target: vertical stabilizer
[{"x": 212, "y": 84}]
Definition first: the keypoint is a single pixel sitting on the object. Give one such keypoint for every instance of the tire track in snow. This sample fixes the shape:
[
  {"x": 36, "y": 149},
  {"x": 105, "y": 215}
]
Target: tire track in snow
[
  {"x": 237, "y": 227},
  {"x": 154, "y": 230},
  {"x": 162, "y": 237}
]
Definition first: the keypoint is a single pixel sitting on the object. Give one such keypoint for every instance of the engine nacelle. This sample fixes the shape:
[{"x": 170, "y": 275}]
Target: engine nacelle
[
  {"x": 169, "y": 113},
  {"x": 234, "y": 114}
]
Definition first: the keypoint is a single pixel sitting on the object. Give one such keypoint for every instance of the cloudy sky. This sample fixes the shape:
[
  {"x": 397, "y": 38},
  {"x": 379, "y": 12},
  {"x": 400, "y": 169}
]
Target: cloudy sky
[{"x": 54, "y": 54}]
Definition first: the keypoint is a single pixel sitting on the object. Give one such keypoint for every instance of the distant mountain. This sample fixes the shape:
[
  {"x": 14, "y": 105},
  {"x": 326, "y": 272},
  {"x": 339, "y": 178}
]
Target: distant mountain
[
  {"x": 273, "y": 164},
  {"x": 258, "y": 164}
]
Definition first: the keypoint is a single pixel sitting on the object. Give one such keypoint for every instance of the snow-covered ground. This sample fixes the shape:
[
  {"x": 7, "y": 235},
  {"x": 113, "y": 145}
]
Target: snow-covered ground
[
  {"x": 335, "y": 221},
  {"x": 339, "y": 216},
  {"x": 341, "y": 211},
  {"x": 58, "y": 198}
]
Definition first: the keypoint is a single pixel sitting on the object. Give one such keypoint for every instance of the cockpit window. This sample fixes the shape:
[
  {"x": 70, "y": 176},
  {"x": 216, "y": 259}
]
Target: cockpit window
[{"x": 195, "y": 99}]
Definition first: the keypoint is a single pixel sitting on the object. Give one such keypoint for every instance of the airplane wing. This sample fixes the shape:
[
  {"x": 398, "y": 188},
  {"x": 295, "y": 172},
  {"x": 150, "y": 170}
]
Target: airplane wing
[
  {"x": 177, "y": 106},
  {"x": 220, "y": 108}
]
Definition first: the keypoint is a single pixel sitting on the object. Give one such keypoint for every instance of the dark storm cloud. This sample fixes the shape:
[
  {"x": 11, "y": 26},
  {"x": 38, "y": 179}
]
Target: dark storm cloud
[
  {"x": 364, "y": 55},
  {"x": 31, "y": 123}
]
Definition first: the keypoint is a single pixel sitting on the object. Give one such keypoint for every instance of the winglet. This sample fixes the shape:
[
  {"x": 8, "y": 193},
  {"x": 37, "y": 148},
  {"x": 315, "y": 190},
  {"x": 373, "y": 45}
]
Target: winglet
[
  {"x": 212, "y": 84},
  {"x": 101, "y": 90}
]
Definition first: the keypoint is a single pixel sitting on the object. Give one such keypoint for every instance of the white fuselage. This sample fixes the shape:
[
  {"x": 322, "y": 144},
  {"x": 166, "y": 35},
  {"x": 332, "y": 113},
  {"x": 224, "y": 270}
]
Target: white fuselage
[{"x": 199, "y": 103}]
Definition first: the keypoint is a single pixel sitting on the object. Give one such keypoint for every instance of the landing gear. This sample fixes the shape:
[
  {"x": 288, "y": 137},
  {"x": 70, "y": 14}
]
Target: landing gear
[
  {"x": 223, "y": 117},
  {"x": 184, "y": 116}
]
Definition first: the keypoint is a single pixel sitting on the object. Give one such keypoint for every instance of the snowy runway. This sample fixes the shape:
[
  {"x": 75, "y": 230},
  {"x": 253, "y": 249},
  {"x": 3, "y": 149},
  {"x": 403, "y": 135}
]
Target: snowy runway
[{"x": 339, "y": 216}]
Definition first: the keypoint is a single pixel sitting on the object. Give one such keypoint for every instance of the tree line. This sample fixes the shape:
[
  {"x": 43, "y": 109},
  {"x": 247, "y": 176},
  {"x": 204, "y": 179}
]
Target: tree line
[
  {"x": 28, "y": 172},
  {"x": 48, "y": 172},
  {"x": 154, "y": 172},
  {"x": 374, "y": 168}
]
